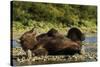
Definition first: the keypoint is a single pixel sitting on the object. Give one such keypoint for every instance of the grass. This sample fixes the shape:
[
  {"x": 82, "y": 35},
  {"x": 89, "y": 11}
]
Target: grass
[{"x": 42, "y": 27}]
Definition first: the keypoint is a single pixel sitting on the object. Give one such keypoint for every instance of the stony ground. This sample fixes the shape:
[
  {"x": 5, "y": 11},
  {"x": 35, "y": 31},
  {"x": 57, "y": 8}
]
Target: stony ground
[{"x": 89, "y": 55}]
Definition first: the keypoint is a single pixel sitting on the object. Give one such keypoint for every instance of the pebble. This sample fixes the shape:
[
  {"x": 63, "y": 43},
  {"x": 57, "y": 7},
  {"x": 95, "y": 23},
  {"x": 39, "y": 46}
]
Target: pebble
[{"x": 87, "y": 56}]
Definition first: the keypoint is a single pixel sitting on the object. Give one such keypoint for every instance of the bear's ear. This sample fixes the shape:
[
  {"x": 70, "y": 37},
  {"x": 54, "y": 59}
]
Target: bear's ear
[
  {"x": 52, "y": 31},
  {"x": 32, "y": 30},
  {"x": 33, "y": 33}
]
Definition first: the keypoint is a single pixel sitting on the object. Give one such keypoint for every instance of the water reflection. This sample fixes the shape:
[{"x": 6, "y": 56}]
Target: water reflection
[
  {"x": 15, "y": 44},
  {"x": 92, "y": 39}
]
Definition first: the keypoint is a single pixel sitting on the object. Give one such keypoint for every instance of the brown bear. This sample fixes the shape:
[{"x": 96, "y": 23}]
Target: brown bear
[
  {"x": 56, "y": 44},
  {"x": 28, "y": 40},
  {"x": 52, "y": 42}
]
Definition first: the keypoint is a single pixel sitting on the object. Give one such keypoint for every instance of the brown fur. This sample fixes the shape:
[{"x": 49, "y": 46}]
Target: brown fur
[
  {"x": 56, "y": 46},
  {"x": 52, "y": 42},
  {"x": 51, "y": 33},
  {"x": 28, "y": 40}
]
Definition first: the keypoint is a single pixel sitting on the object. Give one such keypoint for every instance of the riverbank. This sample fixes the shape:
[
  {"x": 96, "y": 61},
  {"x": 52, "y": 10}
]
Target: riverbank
[{"x": 89, "y": 55}]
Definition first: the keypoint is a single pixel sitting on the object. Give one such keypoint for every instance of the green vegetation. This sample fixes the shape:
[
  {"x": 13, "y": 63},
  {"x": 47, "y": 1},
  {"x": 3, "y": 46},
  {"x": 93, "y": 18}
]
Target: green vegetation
[{"x": 43, "y": 16}]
